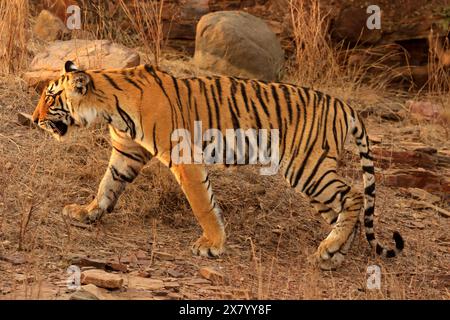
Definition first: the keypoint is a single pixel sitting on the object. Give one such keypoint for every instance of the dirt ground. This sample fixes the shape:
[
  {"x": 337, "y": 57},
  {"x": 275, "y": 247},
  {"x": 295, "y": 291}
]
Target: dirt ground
[{"x": 271, "y": 229}]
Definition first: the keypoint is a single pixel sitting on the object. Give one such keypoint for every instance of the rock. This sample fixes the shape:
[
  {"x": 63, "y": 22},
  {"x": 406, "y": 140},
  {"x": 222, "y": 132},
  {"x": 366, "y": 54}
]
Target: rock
[
  {"x": 212, "y": 274},
  {"x": 354, "y": 30},
  {"x": 417, "y": 178},
  {"x": 174, "y": 296},
  {"x": 49, "y": 27},
  {"x": 101, "y": 279},
  {"x": 375, "y": 138},
  {"x": 88, "y": 54},
  {"x": 163, "y": 256},
  {"x": 171, "y": 285},
  {"x": 174, "y": 273},
  {"x": 83, "y": 295},
  {"x": 427, "y": 111},
  {"x": 391, "y": 116},
  {"x": 98, "y": 293},
  {"x": 8, "y": 165},
  {"x": 160, "y": 293},
  {"x": 197, "y": 282},
  {"x": 423, "y": 195},
  {"x": 426, "y": 149},
  {"x": 99, "y": 264},
  {"x": 402, "y": 158},
  {"x": 238, "y": 44},
  {"x": 259, "y": 189},
  {"x": 139, "y": 283}
]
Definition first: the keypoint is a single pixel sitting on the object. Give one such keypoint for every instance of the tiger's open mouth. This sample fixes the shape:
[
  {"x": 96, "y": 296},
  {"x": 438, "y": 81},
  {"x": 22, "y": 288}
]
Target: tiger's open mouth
[
  {"x": 61, "y": 127},
  {"x": 57, "y": 127}
]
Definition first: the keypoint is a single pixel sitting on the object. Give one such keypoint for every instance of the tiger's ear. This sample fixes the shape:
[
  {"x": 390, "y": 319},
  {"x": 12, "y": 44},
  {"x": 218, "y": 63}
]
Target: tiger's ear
[
  {"x": 79, "y": 82},
  {"x": 69, "y": 66}
]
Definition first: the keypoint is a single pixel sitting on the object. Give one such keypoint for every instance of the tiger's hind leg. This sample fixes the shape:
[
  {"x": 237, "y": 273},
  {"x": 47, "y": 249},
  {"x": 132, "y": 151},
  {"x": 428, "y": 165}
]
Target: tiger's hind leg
[
  {"x": 343, "y": 199},
  {"x": 331, "y": 217},
  {"x": 327, "y": 190},
  {"x": 327, "y": 213},
  {"x": 196, "y": 185}
]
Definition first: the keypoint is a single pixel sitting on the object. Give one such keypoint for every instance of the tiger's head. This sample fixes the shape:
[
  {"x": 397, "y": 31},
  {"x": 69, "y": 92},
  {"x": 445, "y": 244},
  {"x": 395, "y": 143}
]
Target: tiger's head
[{"x": 59, "y": 108}]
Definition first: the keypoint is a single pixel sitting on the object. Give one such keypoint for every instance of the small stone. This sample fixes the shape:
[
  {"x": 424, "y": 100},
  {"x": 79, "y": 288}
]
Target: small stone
[
  {"x": 172, "y": 284},
  {"x": 212, "y": 274},
  {"x": 174, "y": 296},
  {"x": 86, "y": 263},
  {"x": 375, "y": 138},
  {"x": 82, "y": 295},
  {"x": 163, "y": 256},
  {"x": 102, "y": 279},
  {"x": 116, "y": 266},
  {"x": 139, "y": 283},
  {"x": 391, "y": 116},
  {"x": 426, "y": 149},
  {"x": 259, "y": 189},
  {"x": 141, "y": 255},
  {"x": 144, "y": 274},
  {"x": 159, "y": 293},
  {"x": 8, "y": 165},
  {"x": 99, "y": 293},
  {"x": 174, "y": 273},
  {"x": 198, "y": 281}
]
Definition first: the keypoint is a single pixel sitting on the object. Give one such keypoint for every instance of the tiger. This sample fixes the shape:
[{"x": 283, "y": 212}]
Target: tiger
[{"x": 143, "y": 105}]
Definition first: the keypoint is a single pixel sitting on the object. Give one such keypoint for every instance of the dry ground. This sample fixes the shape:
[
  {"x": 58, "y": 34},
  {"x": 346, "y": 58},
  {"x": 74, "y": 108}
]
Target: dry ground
[{"x": 271, "y": 229}]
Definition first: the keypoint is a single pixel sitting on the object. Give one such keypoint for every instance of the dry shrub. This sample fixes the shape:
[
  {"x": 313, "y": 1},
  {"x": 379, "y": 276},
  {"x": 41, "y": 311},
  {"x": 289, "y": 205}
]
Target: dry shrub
[
  {"x": 146, "y": 20},
  {"x": 438, "y": 64},
  {"x": 315, "y": 59},
  {"x": 13, "y": 35},
  {"x": 319, "y": 64}
]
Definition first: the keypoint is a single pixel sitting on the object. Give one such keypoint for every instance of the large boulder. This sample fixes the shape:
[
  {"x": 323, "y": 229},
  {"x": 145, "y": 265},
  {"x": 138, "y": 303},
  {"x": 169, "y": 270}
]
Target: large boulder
[
  {"x": 238, "y": 44},
  {"x": 49, "y": 27},
  {"x": 87, "y": 54}
]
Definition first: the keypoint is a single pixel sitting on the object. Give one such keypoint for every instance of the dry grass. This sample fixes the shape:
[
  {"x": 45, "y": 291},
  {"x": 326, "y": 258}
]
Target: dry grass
[
  {"x": 14, "y": 17},
  {"x": 438, "y": 65},
  {"x": 319, "y": 64},
  {"x": 315, "y": 60},
  {"x": 146, "y": 20}
]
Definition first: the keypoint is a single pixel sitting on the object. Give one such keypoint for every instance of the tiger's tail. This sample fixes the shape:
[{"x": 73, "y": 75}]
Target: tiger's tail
[{"x": 362, "y": 141}]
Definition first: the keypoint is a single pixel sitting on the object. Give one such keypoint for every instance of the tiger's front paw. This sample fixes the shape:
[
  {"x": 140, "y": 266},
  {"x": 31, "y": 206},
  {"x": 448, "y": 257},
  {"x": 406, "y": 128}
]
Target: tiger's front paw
[
  {"x": 207, "y": 248},
  {"x": 84, "y": 214}
]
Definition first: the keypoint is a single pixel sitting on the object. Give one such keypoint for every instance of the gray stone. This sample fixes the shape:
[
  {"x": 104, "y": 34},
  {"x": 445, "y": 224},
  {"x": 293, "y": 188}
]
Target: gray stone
[{"x": 238, "y": 44}]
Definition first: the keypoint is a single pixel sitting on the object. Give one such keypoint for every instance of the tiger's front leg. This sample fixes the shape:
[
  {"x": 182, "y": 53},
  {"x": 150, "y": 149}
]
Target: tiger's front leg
[
  {"x": 126, "y": 161},
  {"x": 195, "y": 183}
]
